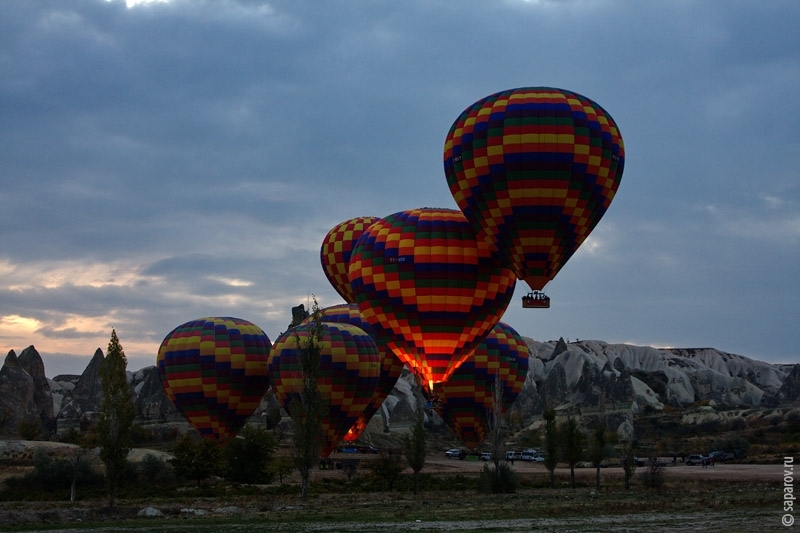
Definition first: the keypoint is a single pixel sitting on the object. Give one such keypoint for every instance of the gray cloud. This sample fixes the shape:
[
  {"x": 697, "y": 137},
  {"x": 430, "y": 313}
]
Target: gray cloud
[{"x": 174, "y": 160}]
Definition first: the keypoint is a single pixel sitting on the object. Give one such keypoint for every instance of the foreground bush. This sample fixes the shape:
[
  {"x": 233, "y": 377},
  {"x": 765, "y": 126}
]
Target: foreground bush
[
  {"x": 387, "y": 467},
  {"x": 197, "y": 458},
  {"x": 155, "y": 470},
  {"x": 504, "y": 480},
  {"x": 53, "y": 476},
  {"x": 249, "y": 456},
  {"x": 653, "y": 476}
]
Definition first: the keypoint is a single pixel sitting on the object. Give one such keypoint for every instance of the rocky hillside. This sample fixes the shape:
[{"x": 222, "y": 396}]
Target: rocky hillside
[
  {"x": 586, "y": 377},
  {"x": 620, "y": 381},
  {"x": 588, "y": 372}
]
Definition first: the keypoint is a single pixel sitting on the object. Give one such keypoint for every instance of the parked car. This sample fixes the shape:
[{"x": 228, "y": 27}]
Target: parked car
[
  {"x": 513, "y": 456},
  {"x": 454, "y": 453},
  {"x": 538, "y": 458},
  {"x": 486, "y": 456},
  {"x": 722, "y": 456},
  {"x": 368, "y": 449},
  {"x": 695, "y": 459}
]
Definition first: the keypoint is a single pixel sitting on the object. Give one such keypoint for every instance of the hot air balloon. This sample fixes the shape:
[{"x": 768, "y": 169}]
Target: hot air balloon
[
  {"x": 534, "y": 169},
  {"x": 347, "y": 374},
  {"x": 215, "y": 372},
  {"x": 423, "y": 279},
  {"x": 466, "y": 400},
  {"x": 335, "y": 253},
  {"x": 390, "y": 370}
]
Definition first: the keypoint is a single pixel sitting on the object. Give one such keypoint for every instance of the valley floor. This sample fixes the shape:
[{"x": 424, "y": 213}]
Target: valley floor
[{"x": 727, "y": 497}]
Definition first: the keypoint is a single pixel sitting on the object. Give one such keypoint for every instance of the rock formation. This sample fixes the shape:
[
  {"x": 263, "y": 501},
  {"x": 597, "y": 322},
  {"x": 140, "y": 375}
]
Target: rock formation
[
  {"x": 16, "y": 394},
  {"x": 151, "y": 401},
  {"x": 87, "y": 394},
  {"x": 31, "y": 362},
  {"x": 790, "y": 389}
]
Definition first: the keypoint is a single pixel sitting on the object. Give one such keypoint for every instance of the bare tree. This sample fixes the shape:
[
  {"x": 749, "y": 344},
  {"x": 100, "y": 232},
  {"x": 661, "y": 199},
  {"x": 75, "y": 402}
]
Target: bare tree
[{"x": 83, "y": 449}]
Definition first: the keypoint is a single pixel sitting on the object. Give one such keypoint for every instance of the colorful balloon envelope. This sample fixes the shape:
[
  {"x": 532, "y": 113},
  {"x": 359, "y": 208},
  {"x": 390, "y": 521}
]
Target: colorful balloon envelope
[
  {"x": 535, "y": 169},
  {"x": 424, "y": 280},
  {"x": 348, "y": 373},
  {"x": 215, "y": 372},
  {"x": 335, "y": 253},
  {"x": 390, "y": 370},
  {"x": 466, "y": 400}
]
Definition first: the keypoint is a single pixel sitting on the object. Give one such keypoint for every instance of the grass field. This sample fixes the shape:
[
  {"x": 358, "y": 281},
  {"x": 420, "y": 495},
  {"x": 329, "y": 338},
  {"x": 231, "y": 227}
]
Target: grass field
[{"x": 734, "y": 498}]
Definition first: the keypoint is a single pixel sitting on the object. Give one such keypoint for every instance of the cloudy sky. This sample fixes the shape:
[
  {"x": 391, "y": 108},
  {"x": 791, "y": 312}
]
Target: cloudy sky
[{"x": 165, "y": 161}]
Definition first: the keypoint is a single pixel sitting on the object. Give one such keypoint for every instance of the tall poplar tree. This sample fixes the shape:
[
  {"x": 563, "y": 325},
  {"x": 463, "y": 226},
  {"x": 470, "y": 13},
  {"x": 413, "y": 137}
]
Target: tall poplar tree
[
  {"x": 628, "y": 463},
  {"x": 414, "y": 447},
  {"x": 493, "y": 417},
  {"x": 572, "y": 442},
  {"x": 551, "y": 444},
  {"x": 598, "y": 449},
  {"x": 116, "y": 416},
  {"x": 414, "y": 444},
  {"x": 308, "y": 409}
]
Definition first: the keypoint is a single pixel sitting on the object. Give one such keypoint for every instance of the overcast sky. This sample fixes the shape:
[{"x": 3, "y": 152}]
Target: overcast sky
[{"x": 166, "y": 161}]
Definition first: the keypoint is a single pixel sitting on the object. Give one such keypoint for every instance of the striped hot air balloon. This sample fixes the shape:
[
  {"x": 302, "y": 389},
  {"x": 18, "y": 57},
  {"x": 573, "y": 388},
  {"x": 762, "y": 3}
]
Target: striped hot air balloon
[
  {"x": 335, "y": 253},
  {"x": 215, "y": 372},
  {"x": 467, "y": 399},
  {"x": 391, "y": 366},
  {"x": 424, "y": 280},
  {"x": 347, "y": 373},
  {"x": 534, "y": 169}
]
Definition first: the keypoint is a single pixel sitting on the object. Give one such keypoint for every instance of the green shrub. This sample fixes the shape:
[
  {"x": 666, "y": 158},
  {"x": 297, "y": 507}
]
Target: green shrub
[
  {"x": 504, "y": 480},
  {"x": 155, "y": 470},
  {"x": 51, "y": 475},
  {"x": 731, "y": 444},
  {"x": 653, "y": 476},
  {"x": 281, "y": 466},
  {"x": 197, "y": 458},
  {"x": 249, "y": 455},
  {"x": 387, "y": 467}
]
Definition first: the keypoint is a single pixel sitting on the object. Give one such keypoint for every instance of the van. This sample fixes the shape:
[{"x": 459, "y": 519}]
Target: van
[{"x": 528, "y": 455}]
